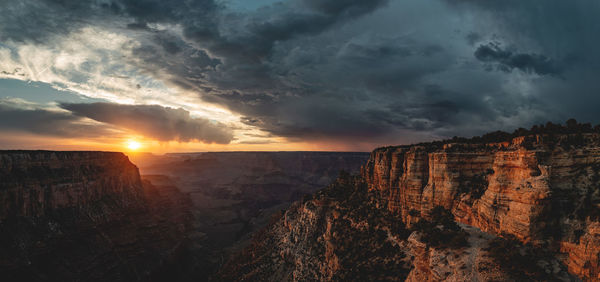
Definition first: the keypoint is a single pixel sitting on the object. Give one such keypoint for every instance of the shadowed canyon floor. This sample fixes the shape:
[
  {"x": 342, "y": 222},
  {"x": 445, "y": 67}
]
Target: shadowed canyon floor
[{"x": 235, "y": 193}]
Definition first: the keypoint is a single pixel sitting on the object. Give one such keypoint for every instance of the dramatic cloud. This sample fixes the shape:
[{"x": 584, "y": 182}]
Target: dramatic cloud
[
  {"x": 160, "y": 123},
  {"x": 508, "y": 60},
  {"x": 15, "y": 118},
  {"x": 375, "y": 71}
]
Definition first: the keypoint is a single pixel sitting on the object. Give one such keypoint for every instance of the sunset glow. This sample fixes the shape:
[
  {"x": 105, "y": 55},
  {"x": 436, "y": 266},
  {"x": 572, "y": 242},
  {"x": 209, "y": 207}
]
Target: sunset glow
[
  {"x": 85, "y": 78},
  {"x": 133, "y": 145}
]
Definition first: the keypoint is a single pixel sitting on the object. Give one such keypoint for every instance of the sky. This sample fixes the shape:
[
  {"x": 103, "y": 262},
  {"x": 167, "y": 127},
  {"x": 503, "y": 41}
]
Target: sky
[{"x": 341, "y": 75}]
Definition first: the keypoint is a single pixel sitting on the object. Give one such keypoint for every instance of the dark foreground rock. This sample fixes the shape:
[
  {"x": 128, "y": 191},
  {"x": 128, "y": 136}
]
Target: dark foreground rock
[{"x": 87, "y": 216}]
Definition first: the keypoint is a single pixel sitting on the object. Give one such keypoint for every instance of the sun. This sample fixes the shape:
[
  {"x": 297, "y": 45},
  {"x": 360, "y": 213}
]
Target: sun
[{"x": 133, "y": 145}]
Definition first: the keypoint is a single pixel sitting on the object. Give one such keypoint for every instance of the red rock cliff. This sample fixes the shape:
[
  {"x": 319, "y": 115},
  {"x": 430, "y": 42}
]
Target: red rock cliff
[{"x": 541, "y": 189}]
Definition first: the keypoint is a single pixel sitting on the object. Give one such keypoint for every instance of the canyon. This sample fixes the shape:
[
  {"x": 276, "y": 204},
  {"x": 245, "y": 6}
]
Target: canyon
[
  {"x": 524, "y": 208},
  {"x": 234, "y": 193},
  {"x": 95, "y": 216}
]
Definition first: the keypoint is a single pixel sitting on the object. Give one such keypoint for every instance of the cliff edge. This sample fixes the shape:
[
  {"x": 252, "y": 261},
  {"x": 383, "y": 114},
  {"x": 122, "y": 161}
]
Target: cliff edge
[
  {"x": 85, "y": 216},
  {"x": 541, "y": 189},
  {"x": 521, "y": 206}
]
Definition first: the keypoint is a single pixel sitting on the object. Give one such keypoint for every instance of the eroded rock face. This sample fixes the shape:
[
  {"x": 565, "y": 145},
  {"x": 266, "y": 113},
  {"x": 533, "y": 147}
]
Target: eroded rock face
[
  {"x": 465, "y": 264},
  {"x": 541, "y": 189},
  {"x": 340, "y": 234},
  {"x": 336, "y": 236},
  {"x": 528, "y": 210},
  {"x": 584, "y": 256},
  {"x": 33, "y": 183},
  {"x": 86, "y": 216}
]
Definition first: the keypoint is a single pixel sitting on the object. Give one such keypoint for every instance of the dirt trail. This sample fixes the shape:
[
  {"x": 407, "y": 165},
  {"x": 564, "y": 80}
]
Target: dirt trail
[{"x": 477, "y": 241}]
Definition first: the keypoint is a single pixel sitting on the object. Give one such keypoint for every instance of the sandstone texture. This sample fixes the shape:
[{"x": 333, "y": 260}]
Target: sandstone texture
[
  {"x": 86, "y": 216},
  {"x": 526, "y": 209},
  {"x": 340, "y": 234},
  {"x": 330, "y": 237},
  {"x": 541, "y": 189}
]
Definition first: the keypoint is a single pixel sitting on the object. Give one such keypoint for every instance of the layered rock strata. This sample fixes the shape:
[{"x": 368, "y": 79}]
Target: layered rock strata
[
  {"x": 86, "y": 216},
  {"x": 529, "y": 210},
  {"x": 541, "y": 189},
  {"x": 334, "y": 236},
  {"x": 340, "y": 234}
]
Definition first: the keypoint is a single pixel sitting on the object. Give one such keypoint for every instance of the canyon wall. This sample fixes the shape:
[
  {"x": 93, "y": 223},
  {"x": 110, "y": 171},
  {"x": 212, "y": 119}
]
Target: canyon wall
[
  {"x": 234, "y": 193},
  {"x": 34, "y": 183},
  {"x": 86, "y": 216},
  {"x": 541, "y": 189},
  {"x": 341, "y": 233},
  {"x": 526, "y": 209}
]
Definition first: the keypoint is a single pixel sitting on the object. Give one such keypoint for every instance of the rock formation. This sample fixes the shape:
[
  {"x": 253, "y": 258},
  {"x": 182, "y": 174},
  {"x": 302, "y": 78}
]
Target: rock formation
[
  {"x": 86, "y": 216},
  {"x": 540, "y": 191},
  {"x": 340, "y": 234},
  {"x": 335, "y": 235}
]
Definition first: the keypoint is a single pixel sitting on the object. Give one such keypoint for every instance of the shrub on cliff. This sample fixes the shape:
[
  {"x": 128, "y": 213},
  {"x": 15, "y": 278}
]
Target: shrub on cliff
[
  {"x": 476, "y": 185},
  {"x": 519, "y": 261},
  {"x": 442, "y": 216},
  {"x": 550, "y": 129},
  {"x": 442, "y": 231},
  {"x": 414, "y": 212}
]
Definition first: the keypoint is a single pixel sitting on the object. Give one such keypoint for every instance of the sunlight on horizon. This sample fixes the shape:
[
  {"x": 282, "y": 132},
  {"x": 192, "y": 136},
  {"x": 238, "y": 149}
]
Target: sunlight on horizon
[{"x": 133, "y": 145}]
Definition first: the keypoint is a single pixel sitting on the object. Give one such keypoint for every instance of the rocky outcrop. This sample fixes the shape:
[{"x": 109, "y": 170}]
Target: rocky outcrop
[
  {"x": 446, "y": 264},
  {"x": 340, "y": 234},
  {"x": 34, "y": 183},
  {"x": 334, "y": 236},
  {"x": 524, "y": 210},
  {"x": 541, "y": 189},
  {"x": 86, "y": 216},
  {"x": 584, "y": 256}
]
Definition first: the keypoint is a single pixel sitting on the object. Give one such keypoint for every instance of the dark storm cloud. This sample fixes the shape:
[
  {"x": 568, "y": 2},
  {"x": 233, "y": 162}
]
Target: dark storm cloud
[
  {"x": 37, "y": 20},
  {"x": 161, "y": 123},
  {"x": 44, "y": 122},
  {"x": 244, "y": 80},
  {"x": 563, "y": 32},
  {"x": 321, "y": 15},
  {"x": 351, "y": 69},
  {"x": 344, "y": 7},
  {"x": 40, "y": 20},
  {"x": 508, "y": 60}
]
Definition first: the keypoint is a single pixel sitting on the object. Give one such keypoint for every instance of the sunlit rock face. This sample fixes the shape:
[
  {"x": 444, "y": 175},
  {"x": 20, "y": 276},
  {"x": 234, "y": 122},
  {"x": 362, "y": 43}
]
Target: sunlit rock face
[
  {"x": 541, "y": 189},
  {"x": 340, "y": 234},
  {"x": 335, "y": 235},
  {"x": 86, "y": 216},
  {"x": 521, "y": 210}
]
